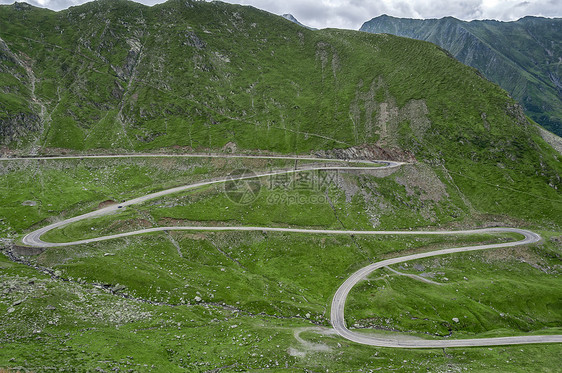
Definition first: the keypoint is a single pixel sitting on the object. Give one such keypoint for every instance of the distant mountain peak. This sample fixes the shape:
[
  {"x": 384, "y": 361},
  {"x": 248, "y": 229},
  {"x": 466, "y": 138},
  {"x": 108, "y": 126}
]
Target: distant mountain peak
[
  {"x": 19, "y": 5},
  {"x": 292, "y": 18},
  {"x": 385, "y": 16}
]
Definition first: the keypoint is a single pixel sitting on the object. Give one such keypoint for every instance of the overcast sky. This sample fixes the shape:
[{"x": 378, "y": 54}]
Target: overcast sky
[{"x": 351, "y": 14}]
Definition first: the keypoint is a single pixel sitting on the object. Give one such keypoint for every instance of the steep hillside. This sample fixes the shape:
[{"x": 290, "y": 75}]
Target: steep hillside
[
  {"x": 119, "y": 76},
  {"x": 523, "y": 56},
  {"x": 114, "y": 76}
]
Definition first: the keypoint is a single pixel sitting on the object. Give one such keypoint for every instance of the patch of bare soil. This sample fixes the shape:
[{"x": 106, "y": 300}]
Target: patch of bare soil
[{"x": 106, "y": 203}]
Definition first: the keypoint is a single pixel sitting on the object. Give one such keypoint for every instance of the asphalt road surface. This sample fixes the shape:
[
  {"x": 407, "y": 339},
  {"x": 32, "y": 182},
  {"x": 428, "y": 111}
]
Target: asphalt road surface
[{"x": 339, "y": 300}]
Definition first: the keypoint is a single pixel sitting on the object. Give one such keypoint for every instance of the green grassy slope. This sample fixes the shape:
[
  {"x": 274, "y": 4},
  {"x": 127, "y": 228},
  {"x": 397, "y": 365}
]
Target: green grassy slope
[
  {"x": 73, "y": 326},
  {"x": 234, "y": 300},
  {"x": 522, "y": 56},
  {"x": 489, "y": 292},
  {"x": 202, "y": 75},
  {"x": 116, "y": 76},
  {"x": 217, "y": 73}
]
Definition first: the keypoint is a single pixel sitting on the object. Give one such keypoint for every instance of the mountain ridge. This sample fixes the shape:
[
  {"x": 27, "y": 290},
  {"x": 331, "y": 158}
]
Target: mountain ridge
[{"x": 516, "y": 55}]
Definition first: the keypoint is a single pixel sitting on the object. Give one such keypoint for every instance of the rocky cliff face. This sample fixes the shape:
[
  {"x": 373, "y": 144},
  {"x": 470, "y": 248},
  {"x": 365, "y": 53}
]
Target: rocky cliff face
[
  {"x": 523, "y": 57},
  {"x": 18, "y": 116}
]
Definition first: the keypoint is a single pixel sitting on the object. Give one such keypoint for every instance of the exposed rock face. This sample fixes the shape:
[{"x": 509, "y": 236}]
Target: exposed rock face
[
  {"x": 19, "y": 120},
  {"x": 16, "y": 127},
  {"x": 380, "y": 120},
  {"x": 522, "y": 56},
  {"x": 421, "y": 176},
  {"x": 194, "y": 41},
  {"x": 552, "y": 139},
  {"x": 368, "y": 152},
  {"x": 291, "y": 18}
]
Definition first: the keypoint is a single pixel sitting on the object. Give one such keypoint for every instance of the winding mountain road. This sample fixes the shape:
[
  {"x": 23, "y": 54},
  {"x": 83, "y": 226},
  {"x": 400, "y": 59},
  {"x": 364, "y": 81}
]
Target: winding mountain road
[
  {"x": 339, "y": 299},
  {"x": 338, "y": 302}
]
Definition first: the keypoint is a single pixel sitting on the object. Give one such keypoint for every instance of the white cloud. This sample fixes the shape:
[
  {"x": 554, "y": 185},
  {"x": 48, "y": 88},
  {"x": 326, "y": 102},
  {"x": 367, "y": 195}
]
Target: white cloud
[{"x": 352, "y": 13}]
